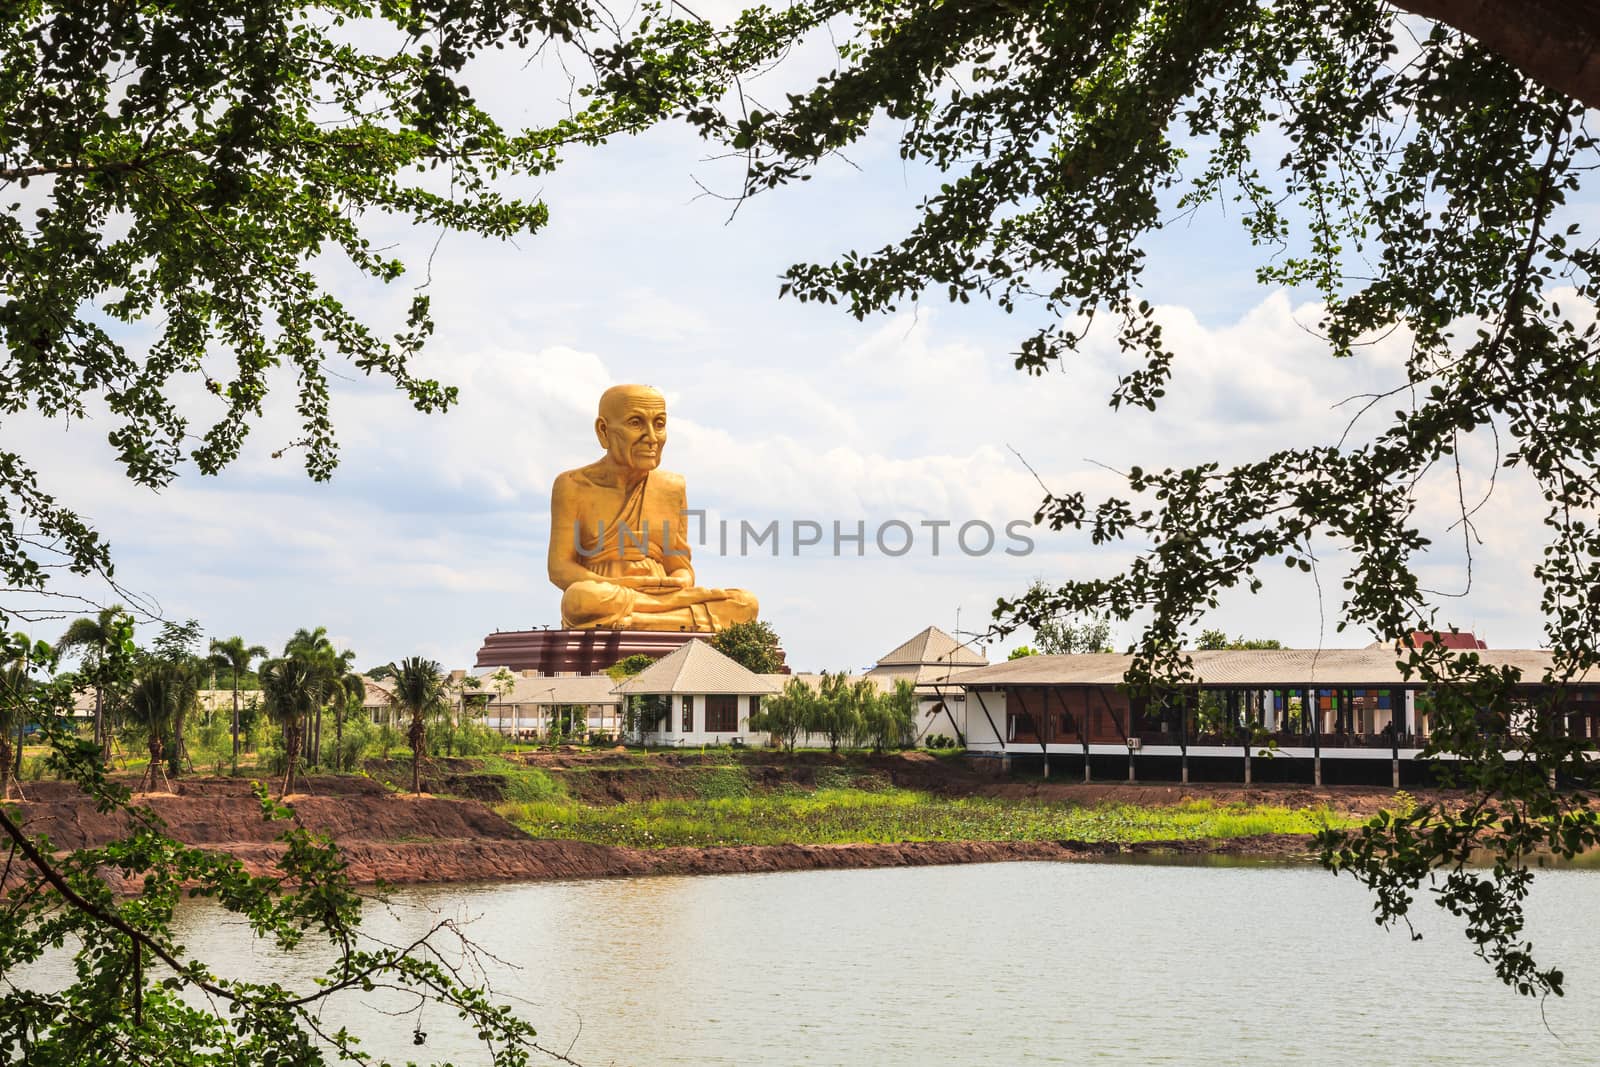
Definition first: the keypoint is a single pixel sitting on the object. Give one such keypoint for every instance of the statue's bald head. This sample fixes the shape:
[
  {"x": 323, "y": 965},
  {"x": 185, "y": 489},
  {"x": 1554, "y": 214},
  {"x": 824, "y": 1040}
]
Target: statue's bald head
[
  {"x": 632, "y": 425},
  {"x": 618, "y": 397}
]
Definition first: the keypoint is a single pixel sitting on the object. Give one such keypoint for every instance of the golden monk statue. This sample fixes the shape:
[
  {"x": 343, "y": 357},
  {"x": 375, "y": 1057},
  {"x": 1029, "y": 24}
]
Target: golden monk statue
[{"x": 619, "y": 549}]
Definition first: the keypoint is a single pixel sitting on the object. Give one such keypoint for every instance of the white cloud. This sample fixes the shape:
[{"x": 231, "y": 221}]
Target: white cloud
[{"x": 433, "y": 531}]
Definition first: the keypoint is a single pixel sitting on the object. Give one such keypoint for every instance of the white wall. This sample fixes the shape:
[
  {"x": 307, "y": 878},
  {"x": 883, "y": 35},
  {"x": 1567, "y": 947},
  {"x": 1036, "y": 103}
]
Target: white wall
[
  {"x": 674, "y": 734},
  {"x": 980, "y": 734}
]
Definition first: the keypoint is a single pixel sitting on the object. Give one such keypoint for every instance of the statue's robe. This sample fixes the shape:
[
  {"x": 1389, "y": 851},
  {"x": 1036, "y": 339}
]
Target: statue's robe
[{"x": 641, "y": 531}]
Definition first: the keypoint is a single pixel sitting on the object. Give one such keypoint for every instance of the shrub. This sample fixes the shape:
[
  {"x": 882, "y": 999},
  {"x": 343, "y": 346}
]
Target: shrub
[
  {"x": 359, "y": 734},
  {"x": 270, "y": 755},
  {"x": 386, "y": 740},
  {"x": 787, "y": 715}
]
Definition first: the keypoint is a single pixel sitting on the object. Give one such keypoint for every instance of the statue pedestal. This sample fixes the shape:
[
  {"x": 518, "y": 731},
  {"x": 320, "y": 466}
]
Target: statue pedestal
[{"x": 551, "y": 652}]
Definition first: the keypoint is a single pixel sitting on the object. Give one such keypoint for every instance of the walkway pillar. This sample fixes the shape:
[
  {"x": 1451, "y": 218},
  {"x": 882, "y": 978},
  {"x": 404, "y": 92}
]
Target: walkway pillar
[
  {"x": 1183, "y": 734},
  {"x": 1316, "y": 734}
]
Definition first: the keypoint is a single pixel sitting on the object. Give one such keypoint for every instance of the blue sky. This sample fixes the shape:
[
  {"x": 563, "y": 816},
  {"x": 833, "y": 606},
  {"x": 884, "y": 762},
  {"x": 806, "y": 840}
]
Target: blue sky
[{"x": 433, "y": 531}]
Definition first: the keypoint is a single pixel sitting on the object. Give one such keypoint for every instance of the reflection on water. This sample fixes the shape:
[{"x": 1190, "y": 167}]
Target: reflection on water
[{"x": 998, "y": 964}]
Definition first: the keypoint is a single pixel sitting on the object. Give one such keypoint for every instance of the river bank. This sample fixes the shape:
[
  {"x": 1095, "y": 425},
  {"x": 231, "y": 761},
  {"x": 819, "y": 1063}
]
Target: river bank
[{"x": 630, "y": 814}]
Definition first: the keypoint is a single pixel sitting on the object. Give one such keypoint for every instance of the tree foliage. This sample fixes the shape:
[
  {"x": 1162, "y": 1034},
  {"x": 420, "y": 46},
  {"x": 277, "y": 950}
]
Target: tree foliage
[
  {"x": 1068, "y": 634},
  {"x": 135, "y": 992},
  {"x": 885, "y": 720},
  {"x": 1412, "y": 179},
  {"x": 104, "y": 645},
  {"x": 16, "y": 708},
  {"x": 786, "y": 715},
  {"x": 841, "y": 711},
  {"x": 753, "y": 645},
  {"x": 629, "y": 666},
  {"x": 181, "y": 182},
  {"x": 234, "y": 656},
  {"x": 418, "y": 688},
  {"x": 1214, "y": 640}
]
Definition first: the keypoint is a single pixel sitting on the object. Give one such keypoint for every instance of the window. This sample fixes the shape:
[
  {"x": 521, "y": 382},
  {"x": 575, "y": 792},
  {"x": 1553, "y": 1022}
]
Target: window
[
  {"x": 688, "y": 715},
  {"x": 1019, "y": 726},
  {"x": 722, "y": 714}
]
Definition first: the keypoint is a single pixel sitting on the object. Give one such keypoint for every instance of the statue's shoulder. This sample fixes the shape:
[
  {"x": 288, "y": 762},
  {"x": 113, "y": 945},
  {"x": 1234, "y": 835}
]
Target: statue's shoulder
[
  {"x": 670, "y": 480},
  {"x": 593, "y": 476}
]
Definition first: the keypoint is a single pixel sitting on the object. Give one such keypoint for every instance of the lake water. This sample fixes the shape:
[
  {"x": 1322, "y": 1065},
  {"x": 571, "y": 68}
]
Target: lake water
[{"x": 994, "y": 964}]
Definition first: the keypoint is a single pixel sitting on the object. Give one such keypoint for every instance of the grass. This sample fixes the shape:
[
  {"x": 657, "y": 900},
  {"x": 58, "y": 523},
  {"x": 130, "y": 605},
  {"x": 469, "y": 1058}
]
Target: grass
[
  {"x": 523, "y": 784},
  {"x": 834, "y": 815}
]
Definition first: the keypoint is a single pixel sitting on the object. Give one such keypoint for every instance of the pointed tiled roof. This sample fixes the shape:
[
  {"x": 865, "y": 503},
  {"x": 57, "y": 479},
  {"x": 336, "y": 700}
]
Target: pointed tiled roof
[
  {"x": 696, "y": 667},
  {"x": 933, "y": 646}
]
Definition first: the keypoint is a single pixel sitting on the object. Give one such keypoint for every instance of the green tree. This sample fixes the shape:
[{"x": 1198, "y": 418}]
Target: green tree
[
  {"x": 183, "y": 181},
  {"x": 105, "y": 645},
  {"x": 900, "y": 706},
  {"x": 186, "y": 199},
  {"x": 135, "y": 995},
  {"x": 835, "y": 713},
  {"x": 16, "y": 707},
  {"x": 1069, "y": 634},
  {"x": 1418, "y": 180},
  {"x": 165, "y": 692},
  {"x": 753, "y": 645},
  {"x": 349, "y": 695},
  {"x": 380, "y": 673},
  {"x": 1214, "y": 640},
  {"x": 419, "y": 689},
  {"x": 629, "y": 666},
  {"x": 292, "y": 688},
  {"x": 504, "y": 683},
  {"x": 233, "y": 655},
  {"x": 639, "y": 712},
  {"x": 336, "y": 676},
  {"x": 786, "y": 715},
  {"x": 173, "y": 650},
  {"x": 884, "y": 720},
  {"x": 1022, "y": 652}
]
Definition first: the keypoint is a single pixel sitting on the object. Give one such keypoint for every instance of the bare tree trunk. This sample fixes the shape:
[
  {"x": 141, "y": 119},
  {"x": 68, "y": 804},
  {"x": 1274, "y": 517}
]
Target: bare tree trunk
[
  {"x": 5, "y": 765},
  {"x": 316, "y": 739},
  {"x": 102, "y": 729},
  {"x": 419, "y": 743},
  {"x": 175, "y": 757},
  {"x": 148, "y": 783},
  {"x": 291, "y": 750},
  {"x": 236, "y": 721}
]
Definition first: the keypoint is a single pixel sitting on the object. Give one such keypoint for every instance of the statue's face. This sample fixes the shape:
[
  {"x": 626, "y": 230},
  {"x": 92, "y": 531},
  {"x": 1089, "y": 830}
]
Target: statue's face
[{"x": 633, "y": 427}]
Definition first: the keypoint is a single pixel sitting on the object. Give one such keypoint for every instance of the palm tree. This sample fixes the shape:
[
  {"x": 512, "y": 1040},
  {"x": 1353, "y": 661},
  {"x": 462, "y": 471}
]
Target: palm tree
[
  {"x": 98, "y": 638},
  {"x": 418, "y": 687},
  {"x": 350, "y": 689},
  {"x": 333, "y": 667},
  {"x": 159, "y": 700},
  {"x": 291, "y": 688},
  {"x": 14, "y": 684},
  {"x": 236, "y": 656}
]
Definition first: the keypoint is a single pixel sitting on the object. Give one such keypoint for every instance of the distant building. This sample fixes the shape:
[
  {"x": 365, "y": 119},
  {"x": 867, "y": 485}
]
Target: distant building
[
  {"x": 521, "y": 704},
  {"x": 931, "y": 661},
  {"x": 698, "y": 696},
  {"x": 1309, "y": 705}
]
